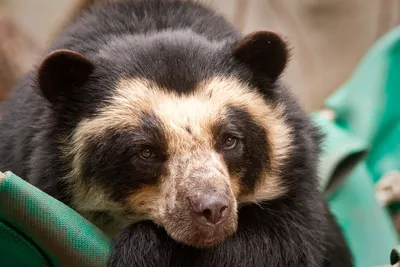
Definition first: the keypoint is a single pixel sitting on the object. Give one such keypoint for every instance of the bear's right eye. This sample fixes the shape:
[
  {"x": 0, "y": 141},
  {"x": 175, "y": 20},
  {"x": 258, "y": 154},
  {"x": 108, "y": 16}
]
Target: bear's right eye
[
  {"x": 147, "y": 154},
  {"x": 230, "y": 143}
]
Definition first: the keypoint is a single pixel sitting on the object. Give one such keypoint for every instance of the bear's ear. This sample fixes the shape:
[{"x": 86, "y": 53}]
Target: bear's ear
[
  {"x": 61, "y": 71},
  {"x": 264, "y": 52}
]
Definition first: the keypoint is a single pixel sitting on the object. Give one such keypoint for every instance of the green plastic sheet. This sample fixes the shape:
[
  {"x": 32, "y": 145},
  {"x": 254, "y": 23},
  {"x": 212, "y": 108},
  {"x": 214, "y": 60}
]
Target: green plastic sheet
[
  {"x": 49, "y": 232},
  {"x": 367, "y": 123}
]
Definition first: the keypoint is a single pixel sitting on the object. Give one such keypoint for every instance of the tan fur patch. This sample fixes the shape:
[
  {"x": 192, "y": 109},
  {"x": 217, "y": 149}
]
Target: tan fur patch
[
  {"x": 187, "y": 122},
  {"x": 229, "y": 91},
  {"x": 147, "y": 203}
]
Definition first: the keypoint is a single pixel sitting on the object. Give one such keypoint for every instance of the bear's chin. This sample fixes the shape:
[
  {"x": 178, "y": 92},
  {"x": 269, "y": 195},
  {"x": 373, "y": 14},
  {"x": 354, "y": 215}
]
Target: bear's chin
[
  {"x": 203, "y": 241},
  {"x": 201, "y": 236}
]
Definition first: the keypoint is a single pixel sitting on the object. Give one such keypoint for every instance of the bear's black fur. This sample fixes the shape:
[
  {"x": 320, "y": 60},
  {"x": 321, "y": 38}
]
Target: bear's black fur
[{"x": 295, "y": 230}]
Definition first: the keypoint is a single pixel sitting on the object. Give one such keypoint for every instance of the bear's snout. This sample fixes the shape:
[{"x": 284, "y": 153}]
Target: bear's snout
[{"x": 210, "y": 208}]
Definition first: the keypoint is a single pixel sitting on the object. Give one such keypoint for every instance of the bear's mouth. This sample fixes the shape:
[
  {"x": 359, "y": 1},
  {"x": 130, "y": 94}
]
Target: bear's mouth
[
  {"x": 211, "y": 235},
  {"x": 206, "y": 238},
  {"x": 186, "y": 230}
]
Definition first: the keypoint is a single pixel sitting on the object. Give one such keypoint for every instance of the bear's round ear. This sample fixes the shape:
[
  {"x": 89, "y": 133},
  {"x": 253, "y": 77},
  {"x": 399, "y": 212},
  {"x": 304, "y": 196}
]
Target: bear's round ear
[
  {"x": 264, "y": 52},
  {"x": 62, "y": 70}
]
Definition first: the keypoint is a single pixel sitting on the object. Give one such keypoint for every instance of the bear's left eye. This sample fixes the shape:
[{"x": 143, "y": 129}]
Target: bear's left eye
[
  {"x": 230, "y": 142},
  {"x": 147, "y": 154}
]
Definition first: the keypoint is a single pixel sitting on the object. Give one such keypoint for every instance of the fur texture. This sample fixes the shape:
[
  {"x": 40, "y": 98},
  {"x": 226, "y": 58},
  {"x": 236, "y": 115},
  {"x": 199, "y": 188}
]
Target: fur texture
[{"x": 134, "y": 111}]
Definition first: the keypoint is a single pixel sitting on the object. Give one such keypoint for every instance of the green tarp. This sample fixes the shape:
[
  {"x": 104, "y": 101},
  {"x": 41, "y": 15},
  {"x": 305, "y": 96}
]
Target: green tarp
[
  {"x": 367, "y": 109},
  {"x": 37, "y": 230}
]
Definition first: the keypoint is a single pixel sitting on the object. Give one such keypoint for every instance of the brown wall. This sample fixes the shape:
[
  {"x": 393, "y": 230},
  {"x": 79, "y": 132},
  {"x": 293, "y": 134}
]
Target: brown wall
[{"x": 328, "y": 37}]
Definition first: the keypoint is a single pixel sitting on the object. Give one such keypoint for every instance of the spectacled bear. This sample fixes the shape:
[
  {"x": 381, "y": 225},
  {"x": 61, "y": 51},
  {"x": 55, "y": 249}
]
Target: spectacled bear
[{"x": 171, "y": 131}]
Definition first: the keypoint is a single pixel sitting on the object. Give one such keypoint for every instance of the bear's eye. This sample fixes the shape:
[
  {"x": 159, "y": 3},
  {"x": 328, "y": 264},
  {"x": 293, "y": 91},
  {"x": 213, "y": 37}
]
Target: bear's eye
[
  {"x": 230, "y": 142},
  {"x": 147, "y": 154}
]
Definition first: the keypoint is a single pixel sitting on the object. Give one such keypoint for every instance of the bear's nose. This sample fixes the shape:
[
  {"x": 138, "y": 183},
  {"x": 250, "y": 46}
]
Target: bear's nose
[{"x": 210, "y": 208}]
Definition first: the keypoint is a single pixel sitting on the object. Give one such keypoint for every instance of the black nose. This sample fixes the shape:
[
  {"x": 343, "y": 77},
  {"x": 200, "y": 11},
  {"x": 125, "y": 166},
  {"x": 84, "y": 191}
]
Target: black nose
[{"x": 210, "y": 208}]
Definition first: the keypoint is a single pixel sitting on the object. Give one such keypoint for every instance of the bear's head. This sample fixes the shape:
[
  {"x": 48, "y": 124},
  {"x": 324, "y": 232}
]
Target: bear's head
[{"x": 175, "y": 129}]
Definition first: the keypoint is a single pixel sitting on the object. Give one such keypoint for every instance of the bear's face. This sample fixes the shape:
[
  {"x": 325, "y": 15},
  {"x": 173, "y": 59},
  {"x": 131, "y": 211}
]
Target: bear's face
[{"x": 185, "y": 161}]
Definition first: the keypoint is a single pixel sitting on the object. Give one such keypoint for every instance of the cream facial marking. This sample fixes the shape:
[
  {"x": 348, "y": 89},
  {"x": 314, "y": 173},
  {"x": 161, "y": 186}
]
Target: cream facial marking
[{"x": 197, "y": 111}]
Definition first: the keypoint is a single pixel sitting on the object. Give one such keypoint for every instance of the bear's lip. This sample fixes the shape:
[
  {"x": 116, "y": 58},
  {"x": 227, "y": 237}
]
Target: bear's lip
[
  {"x": 203, "y": 222},
  {"x": 213, "y": 235},
  {"x": 194, "y": 233},
  {"x": 206, "y": 236}
]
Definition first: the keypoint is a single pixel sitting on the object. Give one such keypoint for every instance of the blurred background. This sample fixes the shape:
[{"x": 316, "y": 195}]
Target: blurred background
[{"x": 328, "y": 37}]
